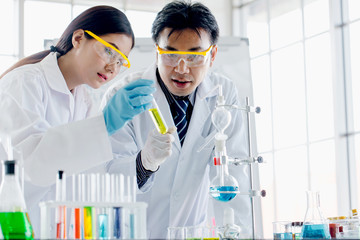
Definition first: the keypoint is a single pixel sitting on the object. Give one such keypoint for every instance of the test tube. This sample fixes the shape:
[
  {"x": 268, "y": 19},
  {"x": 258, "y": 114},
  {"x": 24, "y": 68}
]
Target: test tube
[
  {"x": 116, "y": 210},
  {"x": 88, "y": 231},
  {"x": 157, "y": 118},
  {"x": 109, "y": 210},
  {"x": 93, "y": 199},
  {"x": 60, "y": 212},
  {"x": 134, "y": 189},
  {"x": 103, "y": 217},
  {"x": 75, "y": 216}
]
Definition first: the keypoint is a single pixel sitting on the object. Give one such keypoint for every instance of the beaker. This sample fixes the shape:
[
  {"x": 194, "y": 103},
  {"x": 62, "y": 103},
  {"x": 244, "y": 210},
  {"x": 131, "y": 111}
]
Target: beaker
[{"x": 315, "y": 226}]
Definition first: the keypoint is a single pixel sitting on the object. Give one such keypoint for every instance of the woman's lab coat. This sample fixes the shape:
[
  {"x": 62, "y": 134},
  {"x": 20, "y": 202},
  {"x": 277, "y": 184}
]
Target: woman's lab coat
[
  {"x": 178, "y": 193},
  {"x": 51, "y": 126}
]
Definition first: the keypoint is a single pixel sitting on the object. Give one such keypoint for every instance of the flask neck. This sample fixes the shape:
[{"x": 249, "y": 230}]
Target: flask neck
[
  {"x": 313, "y": 199},
  {"x": 314, "y": 214},
  {"x": 11, "y": 197}
]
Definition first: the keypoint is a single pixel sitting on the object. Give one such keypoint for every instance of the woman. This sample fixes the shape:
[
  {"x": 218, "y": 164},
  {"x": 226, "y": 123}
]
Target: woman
[
  {"x": 44, "y": 104},
  {"x": 45, "y": 107},
  {"x": 47, "y": 112}
]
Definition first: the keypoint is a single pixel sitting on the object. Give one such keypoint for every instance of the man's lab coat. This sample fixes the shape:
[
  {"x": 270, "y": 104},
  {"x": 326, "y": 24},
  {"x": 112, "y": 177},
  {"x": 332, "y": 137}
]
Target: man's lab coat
[
  {"x": 178, "y": 193},
  {"x": 51, "y": 127}
]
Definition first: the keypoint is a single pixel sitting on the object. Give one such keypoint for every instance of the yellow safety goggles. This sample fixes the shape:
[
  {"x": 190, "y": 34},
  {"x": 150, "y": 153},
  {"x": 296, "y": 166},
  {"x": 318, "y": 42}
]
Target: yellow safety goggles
[
  {"x": 109, "y": 54},
  {"x": 192, "y": 59}
]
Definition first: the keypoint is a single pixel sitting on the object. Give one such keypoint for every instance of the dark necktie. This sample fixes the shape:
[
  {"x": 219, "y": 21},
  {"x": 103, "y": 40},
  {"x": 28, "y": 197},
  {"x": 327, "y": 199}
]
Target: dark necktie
[{"x": 180, "y": 106}]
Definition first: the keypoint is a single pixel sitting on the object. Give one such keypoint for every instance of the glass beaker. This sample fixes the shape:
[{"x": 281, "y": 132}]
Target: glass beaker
[
  {"x": 14, "y": 219},
  {"x": 315, "y": 226}
]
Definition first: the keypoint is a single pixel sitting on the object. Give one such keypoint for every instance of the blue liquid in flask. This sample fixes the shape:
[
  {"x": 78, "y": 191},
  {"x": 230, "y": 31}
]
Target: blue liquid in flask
[
  {"x": 315, "y": 231},
  {"x": 224, "y": 197}
]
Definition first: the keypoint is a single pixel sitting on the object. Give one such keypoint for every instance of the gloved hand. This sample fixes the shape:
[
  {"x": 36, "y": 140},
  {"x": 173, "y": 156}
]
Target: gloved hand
[
  {"x": 128, "y": 102},
  {"x": 157, "y": 148}
]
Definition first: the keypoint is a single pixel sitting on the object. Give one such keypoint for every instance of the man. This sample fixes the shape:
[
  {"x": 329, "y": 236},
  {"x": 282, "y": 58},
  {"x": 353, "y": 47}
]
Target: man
[{"x": 173, "y": 176}]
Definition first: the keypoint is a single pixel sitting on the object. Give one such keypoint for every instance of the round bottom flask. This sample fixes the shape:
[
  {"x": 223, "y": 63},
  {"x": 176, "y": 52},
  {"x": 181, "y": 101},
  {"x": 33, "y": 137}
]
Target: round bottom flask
[{"x": 223, "y": 187}]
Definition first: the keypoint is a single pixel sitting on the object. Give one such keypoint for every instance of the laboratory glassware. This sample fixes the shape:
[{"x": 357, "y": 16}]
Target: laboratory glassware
[
  {"x": 158, "y": 118},
  {"x": 14, "y": 219},
  {"x": 60, "y": 214},
  {"x": 282, "y": 230},
  {"x": 315, "y": 226},
  {"x": 223, "y": 186},
  {"x": 296, "y": 229},
  {"x": 229, "y": 230}
]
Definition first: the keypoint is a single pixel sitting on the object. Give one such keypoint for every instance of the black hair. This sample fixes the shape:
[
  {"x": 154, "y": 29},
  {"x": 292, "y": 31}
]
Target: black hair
[
  {"x": 100, "y": 20},
  {"x": 180, "y": 15}
]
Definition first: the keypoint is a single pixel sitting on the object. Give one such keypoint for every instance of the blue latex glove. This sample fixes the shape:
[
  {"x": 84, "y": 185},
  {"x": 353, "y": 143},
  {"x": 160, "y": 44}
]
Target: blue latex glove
[{"x": 128, "y": 102}]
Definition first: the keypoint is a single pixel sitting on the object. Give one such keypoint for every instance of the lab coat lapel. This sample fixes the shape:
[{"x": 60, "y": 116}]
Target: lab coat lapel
[
  {"x": 56, "y": 80},
  {"x": 201, "y": 112}
]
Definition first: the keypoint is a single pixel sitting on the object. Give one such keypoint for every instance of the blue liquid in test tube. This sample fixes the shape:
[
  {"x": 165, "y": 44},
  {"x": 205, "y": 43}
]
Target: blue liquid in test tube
[
  {"x": 103, "y": 226},
  {"x": 117, "y": 222}
]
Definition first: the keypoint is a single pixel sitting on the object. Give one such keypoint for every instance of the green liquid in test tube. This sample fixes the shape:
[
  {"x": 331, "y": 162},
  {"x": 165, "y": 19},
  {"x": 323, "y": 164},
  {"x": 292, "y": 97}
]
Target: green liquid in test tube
[
  {"x": 157, "y": 118},
  {"x": 88, "y": 223}
]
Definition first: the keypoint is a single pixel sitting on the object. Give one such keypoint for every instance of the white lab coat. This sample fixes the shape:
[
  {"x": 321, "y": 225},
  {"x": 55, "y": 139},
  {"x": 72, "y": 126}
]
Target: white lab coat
[
  {"x": 178, "y": 193},
  {"x": 52, "y": 128}
]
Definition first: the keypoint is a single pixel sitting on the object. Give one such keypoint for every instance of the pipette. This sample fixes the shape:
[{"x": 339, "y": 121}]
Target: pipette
[{"x": 157, "y": 118}]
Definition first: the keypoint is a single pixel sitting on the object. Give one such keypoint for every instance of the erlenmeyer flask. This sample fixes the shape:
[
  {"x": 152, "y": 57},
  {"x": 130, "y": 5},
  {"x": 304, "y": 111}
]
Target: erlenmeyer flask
[
  {"x": 315, "y": 226},
  {"x": 14, "y": 219}
]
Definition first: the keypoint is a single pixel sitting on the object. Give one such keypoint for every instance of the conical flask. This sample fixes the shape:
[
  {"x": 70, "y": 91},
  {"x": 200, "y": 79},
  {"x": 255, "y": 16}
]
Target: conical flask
[
  {"x": 315, "y": 225},
  {"x": 14, "y": 219}
]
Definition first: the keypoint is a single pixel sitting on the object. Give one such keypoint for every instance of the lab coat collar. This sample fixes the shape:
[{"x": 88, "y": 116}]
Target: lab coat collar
[
  {"x": 53, "y": 74},
  {"x": 206, "y": 88}
]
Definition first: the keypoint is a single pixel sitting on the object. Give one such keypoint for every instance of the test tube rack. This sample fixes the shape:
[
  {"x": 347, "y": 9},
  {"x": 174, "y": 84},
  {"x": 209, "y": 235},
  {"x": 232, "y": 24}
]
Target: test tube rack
[
  {"x": 103, "y": 206},
  {"x": 131, "y": 220}
]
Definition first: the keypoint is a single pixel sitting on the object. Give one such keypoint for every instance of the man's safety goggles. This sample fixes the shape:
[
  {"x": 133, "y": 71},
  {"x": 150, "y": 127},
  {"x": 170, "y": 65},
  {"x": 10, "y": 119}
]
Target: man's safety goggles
[
  {"x": 192, "y": 59},
  {"x": 109, "y": 53}
]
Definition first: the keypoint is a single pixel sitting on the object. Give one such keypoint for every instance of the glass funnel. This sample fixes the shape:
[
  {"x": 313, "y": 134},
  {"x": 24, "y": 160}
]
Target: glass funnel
[
  {"x": 221, "y": 119},
  {"x": 315, "y": 226}
]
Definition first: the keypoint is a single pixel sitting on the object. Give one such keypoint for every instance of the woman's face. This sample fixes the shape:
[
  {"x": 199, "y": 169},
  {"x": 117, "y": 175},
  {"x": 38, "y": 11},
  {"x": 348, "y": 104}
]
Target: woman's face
[{"x": 94, "y": 67}]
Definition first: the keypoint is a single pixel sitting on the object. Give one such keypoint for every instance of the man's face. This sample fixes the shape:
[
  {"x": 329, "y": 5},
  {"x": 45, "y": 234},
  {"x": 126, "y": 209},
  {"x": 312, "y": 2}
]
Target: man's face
[{"x": 183, "y": 79}]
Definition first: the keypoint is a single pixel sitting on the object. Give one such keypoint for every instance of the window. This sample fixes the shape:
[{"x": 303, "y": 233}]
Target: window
[
  {"x": 37, "y": 30},
  {"x": 296, "y": 82},
  {"x": 8, "y": 48}
]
